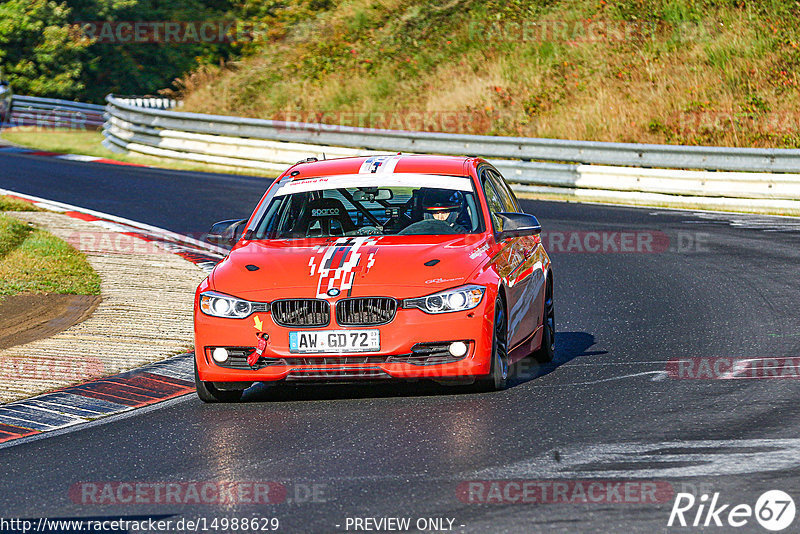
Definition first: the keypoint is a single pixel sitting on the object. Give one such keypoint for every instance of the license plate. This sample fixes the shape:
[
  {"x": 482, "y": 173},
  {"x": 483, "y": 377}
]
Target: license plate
[{"x": 335, "y": 341}]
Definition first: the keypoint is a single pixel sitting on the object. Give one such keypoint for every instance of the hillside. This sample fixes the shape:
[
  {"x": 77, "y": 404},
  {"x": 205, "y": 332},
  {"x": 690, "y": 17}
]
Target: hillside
[{"x": 721, "y": 72}]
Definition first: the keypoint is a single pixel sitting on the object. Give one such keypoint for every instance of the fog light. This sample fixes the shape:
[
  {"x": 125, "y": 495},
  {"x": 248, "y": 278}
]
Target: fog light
[
  {"x": 220, "y": 354},
  {"x": 458, "y": 348}
]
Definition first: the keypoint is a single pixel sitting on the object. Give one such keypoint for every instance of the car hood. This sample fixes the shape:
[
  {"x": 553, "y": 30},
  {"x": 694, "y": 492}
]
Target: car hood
[{"x": 397, "y": 266}]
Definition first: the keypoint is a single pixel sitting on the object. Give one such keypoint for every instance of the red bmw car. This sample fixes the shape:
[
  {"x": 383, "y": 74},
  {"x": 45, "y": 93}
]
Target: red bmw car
[{"x": 385, "y": 267}]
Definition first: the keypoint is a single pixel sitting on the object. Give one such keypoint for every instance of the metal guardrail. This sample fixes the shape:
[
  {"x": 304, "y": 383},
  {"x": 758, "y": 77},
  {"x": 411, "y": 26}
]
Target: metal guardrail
[
  {"x": 148, "y": 102},
  {"x": 55, "y": 113},
  {"x": 523, "y": 148},
  {"x": 269, "y": 145}
]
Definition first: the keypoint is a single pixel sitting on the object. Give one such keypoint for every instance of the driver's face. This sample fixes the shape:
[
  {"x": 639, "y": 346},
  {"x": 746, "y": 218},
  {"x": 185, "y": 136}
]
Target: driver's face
[{"x": 441, "y": 215}]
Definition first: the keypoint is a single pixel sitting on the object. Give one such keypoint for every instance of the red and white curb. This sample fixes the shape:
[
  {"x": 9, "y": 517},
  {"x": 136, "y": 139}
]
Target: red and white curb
[
  {"x": 13, "y": 149},
  {"x": 98, "y": 398}
]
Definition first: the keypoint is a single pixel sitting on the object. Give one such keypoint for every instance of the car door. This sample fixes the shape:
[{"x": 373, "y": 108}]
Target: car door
[
  {"x": 528, "y": 274},
  {"x": 509, "y": 262}
]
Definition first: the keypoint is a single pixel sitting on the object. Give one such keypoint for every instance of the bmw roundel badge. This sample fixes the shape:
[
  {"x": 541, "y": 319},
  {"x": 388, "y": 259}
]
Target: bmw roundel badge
[{"x": 333, "y": 292}]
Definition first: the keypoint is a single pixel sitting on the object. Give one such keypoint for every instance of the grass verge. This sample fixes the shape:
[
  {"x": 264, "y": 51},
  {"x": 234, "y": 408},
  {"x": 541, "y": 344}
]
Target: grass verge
[
  {"x": 34, "y": 261},
  {"x": 13, "y": 204}
]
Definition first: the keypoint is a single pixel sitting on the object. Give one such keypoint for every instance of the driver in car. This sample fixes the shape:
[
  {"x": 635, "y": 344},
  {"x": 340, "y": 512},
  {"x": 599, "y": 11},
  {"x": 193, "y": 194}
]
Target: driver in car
[{"x": 443, "y": 206}]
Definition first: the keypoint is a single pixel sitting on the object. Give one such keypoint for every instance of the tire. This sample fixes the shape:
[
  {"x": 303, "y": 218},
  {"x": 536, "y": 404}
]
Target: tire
[
  {"x": 547, "y": 351},
  {"x": 208, "y": 393},
  {"x": 497, "y": 378}
]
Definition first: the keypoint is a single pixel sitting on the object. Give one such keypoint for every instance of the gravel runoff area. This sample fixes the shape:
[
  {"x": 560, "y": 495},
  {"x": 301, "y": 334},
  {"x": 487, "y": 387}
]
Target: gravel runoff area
[{"x": 145, "y": 313}]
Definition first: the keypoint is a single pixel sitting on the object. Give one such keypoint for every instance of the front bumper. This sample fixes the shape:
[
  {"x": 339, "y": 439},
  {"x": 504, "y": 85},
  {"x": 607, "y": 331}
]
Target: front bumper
[{"x": 400, "y": 343}]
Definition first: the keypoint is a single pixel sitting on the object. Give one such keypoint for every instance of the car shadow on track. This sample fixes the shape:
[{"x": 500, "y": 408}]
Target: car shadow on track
[{"x": 569, "y": 345}]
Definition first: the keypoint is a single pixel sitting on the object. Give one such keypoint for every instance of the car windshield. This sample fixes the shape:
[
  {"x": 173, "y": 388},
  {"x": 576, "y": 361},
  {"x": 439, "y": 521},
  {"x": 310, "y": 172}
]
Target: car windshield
[{"x": 370, "y": 210}]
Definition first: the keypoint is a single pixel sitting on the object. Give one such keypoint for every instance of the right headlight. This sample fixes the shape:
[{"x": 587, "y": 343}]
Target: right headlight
[
  {"x": 221, "y": 305},
  {"x": 453, "y": 300}
]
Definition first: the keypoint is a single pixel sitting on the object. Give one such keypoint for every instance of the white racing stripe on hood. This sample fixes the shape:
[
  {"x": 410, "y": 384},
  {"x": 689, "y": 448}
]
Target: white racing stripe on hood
[{"x": 338, "y": 263}]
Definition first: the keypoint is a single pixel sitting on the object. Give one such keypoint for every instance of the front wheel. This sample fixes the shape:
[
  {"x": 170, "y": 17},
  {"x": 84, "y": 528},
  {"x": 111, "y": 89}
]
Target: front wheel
[
  {"x": 208, "y": 393},
  {"x": 498, "y": 376}
]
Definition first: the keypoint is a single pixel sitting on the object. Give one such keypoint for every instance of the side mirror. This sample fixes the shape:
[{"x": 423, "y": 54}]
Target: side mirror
[
  {"x": 226, "y": 233},
  {"x": 517, "y": 225}
]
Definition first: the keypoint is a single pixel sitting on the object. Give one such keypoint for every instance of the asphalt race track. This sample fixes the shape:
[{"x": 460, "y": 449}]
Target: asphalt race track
[{"x": 610, "y": 409}]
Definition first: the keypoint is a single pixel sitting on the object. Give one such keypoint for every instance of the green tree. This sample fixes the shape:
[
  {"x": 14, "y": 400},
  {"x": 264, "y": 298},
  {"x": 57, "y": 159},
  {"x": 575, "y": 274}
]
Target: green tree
[
  {"x": 137, "y": 68},
  {"x": 39, "y": 52}
]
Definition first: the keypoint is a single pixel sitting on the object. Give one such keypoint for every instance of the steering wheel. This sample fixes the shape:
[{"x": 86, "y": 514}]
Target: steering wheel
[
  {"x": 368, "y": 230},
  {"x": 428, "y": 227}
]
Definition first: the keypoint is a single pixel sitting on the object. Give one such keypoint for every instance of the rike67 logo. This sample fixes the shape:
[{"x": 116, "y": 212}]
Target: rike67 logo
[{"x": 774, "y": 510}]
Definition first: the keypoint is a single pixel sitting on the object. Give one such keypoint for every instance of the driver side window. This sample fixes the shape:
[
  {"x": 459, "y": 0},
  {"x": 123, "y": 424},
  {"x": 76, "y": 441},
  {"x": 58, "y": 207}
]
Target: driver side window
[
  {"x": 493, "y": 200},
  {"x": 506, "y": 195}
]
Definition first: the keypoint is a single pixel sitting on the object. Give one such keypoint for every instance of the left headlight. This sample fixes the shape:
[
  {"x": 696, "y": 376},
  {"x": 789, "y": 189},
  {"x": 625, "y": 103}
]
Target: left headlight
[
  {"x": 221, "y": 305},
  {"x": 456, "y": 299}
]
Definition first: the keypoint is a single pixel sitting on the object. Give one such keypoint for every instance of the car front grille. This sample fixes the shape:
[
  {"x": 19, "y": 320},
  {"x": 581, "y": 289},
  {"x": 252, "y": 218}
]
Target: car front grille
[
  {"x": 301, "y": 312},
  {"x": 365, "y": 311}
]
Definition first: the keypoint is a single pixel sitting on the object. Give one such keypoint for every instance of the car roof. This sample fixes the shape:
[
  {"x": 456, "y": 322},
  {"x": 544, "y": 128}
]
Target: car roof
[{"x": 396, "y": 163}]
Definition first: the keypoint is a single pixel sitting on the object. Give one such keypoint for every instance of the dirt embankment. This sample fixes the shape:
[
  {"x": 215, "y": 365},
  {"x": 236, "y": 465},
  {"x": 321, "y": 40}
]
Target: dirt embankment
[{"x": 28, "y": 317}]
